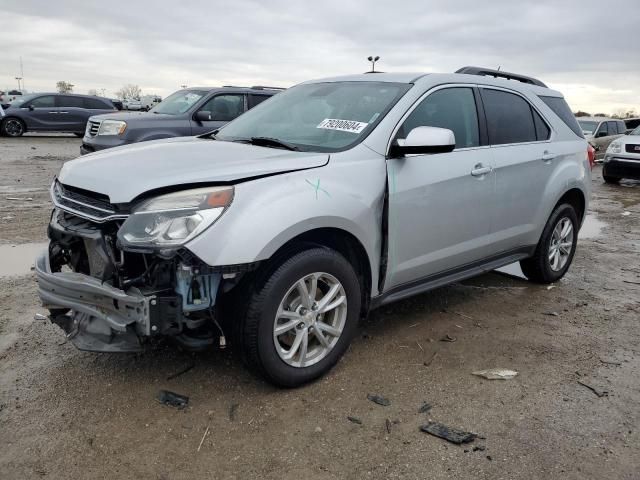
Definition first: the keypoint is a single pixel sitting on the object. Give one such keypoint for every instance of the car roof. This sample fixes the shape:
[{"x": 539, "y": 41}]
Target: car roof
[
  {"x": 598, "y": 119},
  {"x": 68, "y": 94},
  {"x": 256, "y": 89},
  {"x": 435, "y": 78}
]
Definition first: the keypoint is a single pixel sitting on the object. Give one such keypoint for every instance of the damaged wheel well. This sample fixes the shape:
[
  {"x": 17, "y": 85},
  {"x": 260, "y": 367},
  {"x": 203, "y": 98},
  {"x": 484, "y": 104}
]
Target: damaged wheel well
[{"x": 344, "y": 243}]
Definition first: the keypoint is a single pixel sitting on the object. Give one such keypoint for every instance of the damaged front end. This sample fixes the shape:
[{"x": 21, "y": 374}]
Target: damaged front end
[{"x": 112, "y": 295}]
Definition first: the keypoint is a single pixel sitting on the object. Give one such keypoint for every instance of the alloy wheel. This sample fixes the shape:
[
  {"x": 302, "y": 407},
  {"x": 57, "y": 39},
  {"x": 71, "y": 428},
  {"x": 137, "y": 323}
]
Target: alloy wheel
[
  {"x": 310, "y": 319},
  {"x": 561, "y": 244},
  {"x": 13, "y": 127}
]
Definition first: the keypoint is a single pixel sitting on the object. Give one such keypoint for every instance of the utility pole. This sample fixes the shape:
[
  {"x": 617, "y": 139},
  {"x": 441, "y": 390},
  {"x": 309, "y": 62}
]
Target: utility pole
[
  {"x": 21, "y": 73},
  {"x": 18, "y": 79}
]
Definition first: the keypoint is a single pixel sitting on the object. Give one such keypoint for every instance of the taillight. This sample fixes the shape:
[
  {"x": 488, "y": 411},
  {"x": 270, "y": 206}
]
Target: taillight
[{"x": 591, "y": 156}]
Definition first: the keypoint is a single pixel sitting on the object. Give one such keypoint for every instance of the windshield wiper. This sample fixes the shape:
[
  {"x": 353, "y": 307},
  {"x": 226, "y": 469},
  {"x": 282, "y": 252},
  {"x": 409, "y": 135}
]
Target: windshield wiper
[{"x": 272, "y": 142}]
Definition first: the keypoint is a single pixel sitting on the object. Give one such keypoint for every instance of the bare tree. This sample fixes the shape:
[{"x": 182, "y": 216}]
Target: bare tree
[
  {"x": 599, "y": 114},
  {"x": 129, "y": 91},
  {"x": 64, "y": 87},
  {"x": 580, "y": 113}
]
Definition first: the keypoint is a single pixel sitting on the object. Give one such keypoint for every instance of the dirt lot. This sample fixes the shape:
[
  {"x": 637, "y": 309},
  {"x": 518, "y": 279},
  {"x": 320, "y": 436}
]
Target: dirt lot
[{"x": 69, "y": 414}]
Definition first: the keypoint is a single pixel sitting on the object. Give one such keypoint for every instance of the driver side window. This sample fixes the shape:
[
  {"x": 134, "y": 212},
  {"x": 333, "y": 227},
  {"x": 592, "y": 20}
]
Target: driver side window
[
  {"x": 224, "y": 107},
  {"x": 453, "y": 108},
  {"x": 602, "y": 131}
]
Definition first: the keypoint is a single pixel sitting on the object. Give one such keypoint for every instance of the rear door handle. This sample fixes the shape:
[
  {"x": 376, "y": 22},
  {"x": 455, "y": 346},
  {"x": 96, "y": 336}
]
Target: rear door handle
[
  {"x": 54, "y": 112},
  {"x": 480, "y": 170},
  {"x": 63, "y": 112},
  {"x": 548, "y": 156}
]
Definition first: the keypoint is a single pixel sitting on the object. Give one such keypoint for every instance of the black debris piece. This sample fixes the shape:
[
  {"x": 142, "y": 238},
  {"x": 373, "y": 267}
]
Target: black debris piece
[
  {"x": 479, "y": 448},
  {"x": 425, "y": 408},
  {"x": 378, "y": 399},
  {"x": 183, "y": 371},
  {"x": 597, "y": 391},
  {"x": 489, "y": 457},
  {"x": 233, "y": 410},
  {"x": 452, "y": 435},
  {"x": 387, "y": 424},
  {"x": 448, "y": 338},
  {"x": 172, "y": 399},
  {"x": 354, "y": 420}
]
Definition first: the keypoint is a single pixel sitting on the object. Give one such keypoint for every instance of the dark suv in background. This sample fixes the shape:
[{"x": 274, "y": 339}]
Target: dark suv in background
[
  {"x": 192, "y": 111},
  {"x": 52, "y": 112}
]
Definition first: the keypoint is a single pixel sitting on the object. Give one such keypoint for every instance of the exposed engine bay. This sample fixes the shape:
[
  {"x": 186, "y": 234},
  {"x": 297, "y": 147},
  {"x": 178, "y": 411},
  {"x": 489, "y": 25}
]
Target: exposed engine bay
[{"x": 111, "y": 299}]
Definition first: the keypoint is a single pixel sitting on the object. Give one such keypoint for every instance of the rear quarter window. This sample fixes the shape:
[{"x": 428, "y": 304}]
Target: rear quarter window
[
  {"x": 562, "y": 110},
  {"x": 96, "y": 104}
]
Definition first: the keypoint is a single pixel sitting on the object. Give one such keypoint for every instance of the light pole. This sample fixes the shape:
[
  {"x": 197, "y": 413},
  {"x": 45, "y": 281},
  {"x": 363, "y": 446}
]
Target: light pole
[
  {"x": 373, "y": 61},
  {"x": 18, "y": 79}
]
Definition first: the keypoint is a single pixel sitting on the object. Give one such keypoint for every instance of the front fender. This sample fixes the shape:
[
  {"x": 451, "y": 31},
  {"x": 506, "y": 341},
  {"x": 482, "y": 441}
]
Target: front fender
[{"x": 268, "y": 212}]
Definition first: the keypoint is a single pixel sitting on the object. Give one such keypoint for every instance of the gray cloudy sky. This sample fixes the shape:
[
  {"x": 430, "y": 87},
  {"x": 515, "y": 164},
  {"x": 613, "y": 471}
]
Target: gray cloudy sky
[{"x": 161, "y": 45}]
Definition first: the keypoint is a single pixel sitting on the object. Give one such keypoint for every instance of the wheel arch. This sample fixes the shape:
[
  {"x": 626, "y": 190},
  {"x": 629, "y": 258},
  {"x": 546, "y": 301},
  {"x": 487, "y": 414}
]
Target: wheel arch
[
  {"x": 14, "y": 117},
  {"x": 576, "y": 198},
  {"x": 342, "y": 242}
]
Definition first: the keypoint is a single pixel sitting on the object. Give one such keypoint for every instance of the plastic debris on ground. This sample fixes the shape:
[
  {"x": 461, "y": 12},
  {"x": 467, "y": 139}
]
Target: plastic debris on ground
[
  {"x": 496, "y": 374},
  {"x": 452, "y": 435},
  {"x": 378, "y": 399},
  {"x": 425, "y": 408},
  {"x": 172, "y": 399}
]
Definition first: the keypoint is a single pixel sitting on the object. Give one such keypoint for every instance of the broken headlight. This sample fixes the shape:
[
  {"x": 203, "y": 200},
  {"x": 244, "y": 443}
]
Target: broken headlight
[{"x": 174, "y": 219}]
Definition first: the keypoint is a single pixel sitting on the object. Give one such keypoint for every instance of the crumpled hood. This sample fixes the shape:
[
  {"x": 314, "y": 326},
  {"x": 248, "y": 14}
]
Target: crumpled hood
[{"x": 124, "y": 173}]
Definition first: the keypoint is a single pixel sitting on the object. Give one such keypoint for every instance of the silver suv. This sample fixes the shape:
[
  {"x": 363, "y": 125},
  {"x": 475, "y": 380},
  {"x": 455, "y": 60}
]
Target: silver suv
[{"x": 288, "y": 225}]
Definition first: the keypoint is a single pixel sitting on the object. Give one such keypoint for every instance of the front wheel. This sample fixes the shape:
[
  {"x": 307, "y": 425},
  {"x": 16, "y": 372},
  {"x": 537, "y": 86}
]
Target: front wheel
[
  {"x": 556, "y": 248},
  {"x": 12, "y": 127},
  {"x": 609, "y": 178},
  {"x": 301, "y": 317}
]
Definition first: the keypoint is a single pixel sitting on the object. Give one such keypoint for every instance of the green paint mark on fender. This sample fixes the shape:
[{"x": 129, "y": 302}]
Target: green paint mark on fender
[{"x": 316, "y": 186}]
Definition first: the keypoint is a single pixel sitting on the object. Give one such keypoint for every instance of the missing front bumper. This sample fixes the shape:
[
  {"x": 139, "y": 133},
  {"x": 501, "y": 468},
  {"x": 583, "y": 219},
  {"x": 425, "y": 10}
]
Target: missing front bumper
[{"x": 101, "y": 318}]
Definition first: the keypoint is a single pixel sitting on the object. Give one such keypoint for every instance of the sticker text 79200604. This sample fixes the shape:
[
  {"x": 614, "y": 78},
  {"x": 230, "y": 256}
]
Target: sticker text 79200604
[{"x": 342, "y": 125}]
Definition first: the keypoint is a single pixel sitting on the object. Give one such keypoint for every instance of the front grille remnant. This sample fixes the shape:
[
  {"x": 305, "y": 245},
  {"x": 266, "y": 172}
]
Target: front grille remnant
[{"x": 92, "y": 206}]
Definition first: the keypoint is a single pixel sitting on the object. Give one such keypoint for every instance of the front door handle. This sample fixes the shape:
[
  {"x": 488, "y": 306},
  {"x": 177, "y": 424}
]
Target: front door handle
[
  {"x": 54, "y": 112},
  {"x": 480, "y": 170},
  {"x": 63, "y": 112},
  {"x": 547, "y": 156}
]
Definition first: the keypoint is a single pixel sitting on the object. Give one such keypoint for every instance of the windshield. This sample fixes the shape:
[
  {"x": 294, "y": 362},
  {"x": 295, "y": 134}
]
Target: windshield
[
  {"x": 178, "y": 102},
  {"x": 20, "y": 100},
  {"x": 587, "y": 126},
  {"x": 319, "y": 116},
  {"x": 635, "y": 132}
]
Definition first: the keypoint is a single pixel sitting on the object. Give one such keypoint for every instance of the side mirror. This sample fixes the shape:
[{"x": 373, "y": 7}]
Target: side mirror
[
  {"x": 203, "y": 116},
  {"x": 31, "y": 108},
  {"x": 425, "y": 140}
]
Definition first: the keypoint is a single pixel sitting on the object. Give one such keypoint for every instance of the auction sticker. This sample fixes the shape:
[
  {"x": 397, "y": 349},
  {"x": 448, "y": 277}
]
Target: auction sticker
[{"x": 342, "y": 125}]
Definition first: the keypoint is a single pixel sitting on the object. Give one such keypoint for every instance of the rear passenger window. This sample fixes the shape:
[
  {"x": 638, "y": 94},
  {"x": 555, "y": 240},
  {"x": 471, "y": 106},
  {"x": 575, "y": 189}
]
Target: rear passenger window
[
  {"x": 452, "y": 108},
  {"x": 621, "y": 126},
  {"x": 257, "y": 100},
  {"x": 69, "y": 102},
  {"x": 95, "y": 104},
  {"x": 509, "y": 118},
  {"x": 542, "y": 129}
]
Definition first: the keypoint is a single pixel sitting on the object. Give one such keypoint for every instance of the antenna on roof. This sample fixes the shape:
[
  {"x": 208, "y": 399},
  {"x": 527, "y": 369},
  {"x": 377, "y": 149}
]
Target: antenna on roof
[
  {"x": 373, "y": 61},
  {"x": 499, "y": 66}
]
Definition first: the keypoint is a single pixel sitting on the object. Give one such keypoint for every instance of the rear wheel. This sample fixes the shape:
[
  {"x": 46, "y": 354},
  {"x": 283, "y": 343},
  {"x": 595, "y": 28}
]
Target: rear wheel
[
  {"x": 12, "y": 127},
  {"x": 301, "y": 317},
  {"x": 556, "y": 248}
]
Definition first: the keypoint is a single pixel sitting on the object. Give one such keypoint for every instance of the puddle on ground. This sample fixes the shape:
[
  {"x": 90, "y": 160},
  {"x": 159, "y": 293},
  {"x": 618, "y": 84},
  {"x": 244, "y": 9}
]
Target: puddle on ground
[
  {"x": 18, "y": 260},
  {"x": 591, "y": 227}
]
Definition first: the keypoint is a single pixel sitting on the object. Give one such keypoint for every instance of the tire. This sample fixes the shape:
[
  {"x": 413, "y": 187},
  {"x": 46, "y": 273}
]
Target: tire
[
  {"x": 542, "y": 267},
  {"x": 608, "y": 178},
  {"x": 13, "y": 127},
  {"x": 264, "y": 350}
]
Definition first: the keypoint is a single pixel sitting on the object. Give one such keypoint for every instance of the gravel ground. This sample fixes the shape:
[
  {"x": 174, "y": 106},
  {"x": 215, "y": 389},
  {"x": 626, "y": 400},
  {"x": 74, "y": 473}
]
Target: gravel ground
[{"x": 70, "y": 414}]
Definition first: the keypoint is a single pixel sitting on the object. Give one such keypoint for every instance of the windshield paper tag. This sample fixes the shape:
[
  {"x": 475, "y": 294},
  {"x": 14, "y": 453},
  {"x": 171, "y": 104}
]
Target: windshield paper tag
[{"x": 342, "y": 125}]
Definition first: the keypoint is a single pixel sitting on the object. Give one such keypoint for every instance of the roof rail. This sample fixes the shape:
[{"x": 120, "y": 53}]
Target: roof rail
[
  {"x": 500, "y": 74},
  {"x": 262, "y": 87}
]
